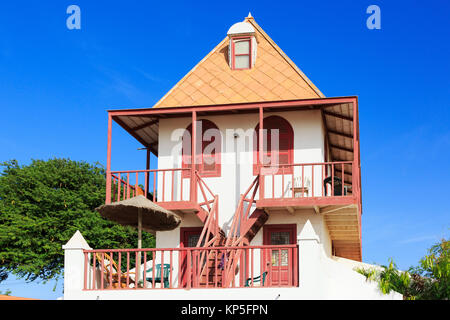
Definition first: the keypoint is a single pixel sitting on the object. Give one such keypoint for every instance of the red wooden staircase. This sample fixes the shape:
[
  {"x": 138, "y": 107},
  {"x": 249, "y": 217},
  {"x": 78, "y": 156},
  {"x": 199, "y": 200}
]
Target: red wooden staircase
[
  {"x": 216, "y": 268},
  {"x": 243, "y": 229},
  {"x": 212, "y": 236}
]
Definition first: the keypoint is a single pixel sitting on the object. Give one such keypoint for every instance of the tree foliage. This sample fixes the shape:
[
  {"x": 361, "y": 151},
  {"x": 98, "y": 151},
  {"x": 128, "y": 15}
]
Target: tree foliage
[
  {"x": 428, "y": 281},
  {"x": 42, "y": 205}
]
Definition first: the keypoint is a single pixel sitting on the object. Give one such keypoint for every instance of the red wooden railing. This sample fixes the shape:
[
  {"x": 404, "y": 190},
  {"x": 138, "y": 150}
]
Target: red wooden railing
[
  {"x": 210, "y": 235},
  {"x": 241, "y": 215},
  {"x": 308, "y": 180},
  {"x": 237, "y": 233},
  {"x": 162, "y": 185},
  {"x": 207, "y": 195},
  {"x": 114, "y": 269},
  {"x": 305, "y": 180}
]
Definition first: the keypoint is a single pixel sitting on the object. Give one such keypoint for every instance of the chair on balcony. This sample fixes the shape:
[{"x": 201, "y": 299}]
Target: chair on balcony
[
  {"x": 337, "y": 186},
  {"x": 158, "y": 279},
  {"x": 300, "y": 187},
  {"x": 111, "y": 274},
  {"x": 256, "y": 279}
]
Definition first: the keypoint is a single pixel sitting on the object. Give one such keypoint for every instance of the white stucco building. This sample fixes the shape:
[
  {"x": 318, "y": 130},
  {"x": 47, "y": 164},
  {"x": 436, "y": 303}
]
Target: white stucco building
[{"x": 281, "y": 218}]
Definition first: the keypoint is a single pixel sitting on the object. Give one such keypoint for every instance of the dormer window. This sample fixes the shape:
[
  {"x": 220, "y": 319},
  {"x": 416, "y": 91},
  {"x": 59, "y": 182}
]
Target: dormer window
[
  {"x": 241, "y": 53},
  {"x": 242, "y": 46}
]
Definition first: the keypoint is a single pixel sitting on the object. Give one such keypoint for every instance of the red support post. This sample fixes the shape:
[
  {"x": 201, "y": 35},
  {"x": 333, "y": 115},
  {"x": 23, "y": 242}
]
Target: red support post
[
  {"x": 171, "y": 263},
  {"x": 154, "y": 186},
  {"x": 102, "y": 272},
  {"x": 194, "y": 157},
  {"x": 260, "y": 152},
  {"x": 85, "y": 270},
  {"x": 144, "y": 272},
  {"x": 147, "y": 174},
  {"x": 163, "y": 186},
  {"x": 94, "y": 269},
  {"x": 108, "y": 161},
  {"x": 128, "y": 269},
  {"x": 189, "y": 266},
  {"x": 119, "y": 270}
]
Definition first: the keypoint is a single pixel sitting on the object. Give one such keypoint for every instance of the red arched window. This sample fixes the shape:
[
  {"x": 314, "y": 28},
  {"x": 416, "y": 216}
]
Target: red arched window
[
  {"x": 208, "y": 149},
  {"x": 278, "y": 144}
]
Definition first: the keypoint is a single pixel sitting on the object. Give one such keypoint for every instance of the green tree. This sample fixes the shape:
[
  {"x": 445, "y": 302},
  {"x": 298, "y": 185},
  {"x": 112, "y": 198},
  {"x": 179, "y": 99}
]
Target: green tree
[
  {"x": 428, "y": 281},
  {"x": 42, "y": 205},
  {"x": 432, "y": 276}
]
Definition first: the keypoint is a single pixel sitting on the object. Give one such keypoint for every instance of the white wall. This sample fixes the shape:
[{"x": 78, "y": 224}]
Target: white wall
[
  {"x": 309, "y": 226},
  {"x": 321, "y": 277}
]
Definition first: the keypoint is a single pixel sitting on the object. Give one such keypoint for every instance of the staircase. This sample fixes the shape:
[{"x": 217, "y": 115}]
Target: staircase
[
  {"x": 213, "y": 265},
  {"x": 243, "y": 230},
  {"x": 217, "y": 267},
  {"x": 211, "y": 276},
  {"x": 212, "y": 236}
]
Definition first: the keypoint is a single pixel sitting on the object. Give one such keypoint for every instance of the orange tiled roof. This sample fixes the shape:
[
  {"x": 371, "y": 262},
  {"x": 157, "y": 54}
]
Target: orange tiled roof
[{"x": 274, "y": 77}]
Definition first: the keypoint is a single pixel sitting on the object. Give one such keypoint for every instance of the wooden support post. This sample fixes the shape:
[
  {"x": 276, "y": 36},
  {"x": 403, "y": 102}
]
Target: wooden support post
[
  {"x": 261, "y": 152},
  {"x": 108, "y": 162},
  {"x": 147, "y": 167},
  {"x": 194, "y": 157},
  {"x": 139, "y": 255}
]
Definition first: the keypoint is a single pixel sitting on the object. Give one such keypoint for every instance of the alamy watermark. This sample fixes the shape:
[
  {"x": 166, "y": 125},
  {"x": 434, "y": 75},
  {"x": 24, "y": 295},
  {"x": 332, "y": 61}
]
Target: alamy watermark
[
  {"x": 374, "y": 20},
  {"x": 74, "y": 20},
  {"x": 213, "y": 146}
]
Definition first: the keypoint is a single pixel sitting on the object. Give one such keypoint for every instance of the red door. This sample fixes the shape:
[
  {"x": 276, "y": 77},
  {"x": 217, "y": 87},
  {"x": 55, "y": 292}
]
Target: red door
[
  {"x": 189, "y": 238},
  {"x": 280, "y": 261}
]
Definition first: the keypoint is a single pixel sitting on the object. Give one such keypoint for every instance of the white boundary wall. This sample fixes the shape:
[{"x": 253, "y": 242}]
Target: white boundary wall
[{"x": 320, "y": 276}]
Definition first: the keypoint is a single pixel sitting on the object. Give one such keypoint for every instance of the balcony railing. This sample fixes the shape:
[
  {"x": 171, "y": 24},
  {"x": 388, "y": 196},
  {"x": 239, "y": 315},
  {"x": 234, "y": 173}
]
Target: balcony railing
[
  {"x": 184, "y": 268},
  {"x": 308, "y": 180},
  {"x": 162, "y": 185},
  {"x": 335, "y": 181}
]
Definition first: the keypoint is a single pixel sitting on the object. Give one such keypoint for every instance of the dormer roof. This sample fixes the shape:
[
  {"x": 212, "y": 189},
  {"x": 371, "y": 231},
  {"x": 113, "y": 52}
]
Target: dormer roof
[
  {"x": 274, "y": 77},
  {"x": 243, "y": 27}
]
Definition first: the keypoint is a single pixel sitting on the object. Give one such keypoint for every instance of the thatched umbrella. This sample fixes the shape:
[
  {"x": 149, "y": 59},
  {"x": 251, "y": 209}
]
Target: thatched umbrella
[{"x": 140, "y": 213}]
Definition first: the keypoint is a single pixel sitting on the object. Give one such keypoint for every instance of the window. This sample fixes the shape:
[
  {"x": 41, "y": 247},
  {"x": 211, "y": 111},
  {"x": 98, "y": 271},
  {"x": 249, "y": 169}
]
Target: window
[
  {"x": 241, "y": 53},
  {"x": 208, "y": 151},
  {"x": 278, "y": 144}
]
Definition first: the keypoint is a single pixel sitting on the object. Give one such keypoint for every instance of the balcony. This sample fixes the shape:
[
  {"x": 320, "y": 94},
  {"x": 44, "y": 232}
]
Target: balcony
[
  {"x": 309, "y": 184},
  {"x": 170, "y": 188},
  {"x": 295, "y": 185},
  {"x": 190, "y": 268}
]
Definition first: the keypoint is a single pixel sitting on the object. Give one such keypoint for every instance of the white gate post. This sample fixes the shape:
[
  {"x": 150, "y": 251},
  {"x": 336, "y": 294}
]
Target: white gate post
[{"x": 74, "y": 266}]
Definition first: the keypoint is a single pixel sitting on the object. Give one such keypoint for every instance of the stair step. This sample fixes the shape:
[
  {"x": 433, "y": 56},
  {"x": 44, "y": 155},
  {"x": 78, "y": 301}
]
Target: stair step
[{"x": 259, "y": 218}]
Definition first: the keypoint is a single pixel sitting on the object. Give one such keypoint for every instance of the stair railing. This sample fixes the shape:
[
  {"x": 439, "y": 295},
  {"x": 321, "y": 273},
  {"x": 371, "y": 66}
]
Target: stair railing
[
  {"x": 237, "y": 234},
  {"x": 211, "y": 226}
]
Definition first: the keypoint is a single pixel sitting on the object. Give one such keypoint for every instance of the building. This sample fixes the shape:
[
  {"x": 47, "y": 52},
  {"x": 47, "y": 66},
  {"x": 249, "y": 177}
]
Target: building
[{"x": 281, "y": 218}]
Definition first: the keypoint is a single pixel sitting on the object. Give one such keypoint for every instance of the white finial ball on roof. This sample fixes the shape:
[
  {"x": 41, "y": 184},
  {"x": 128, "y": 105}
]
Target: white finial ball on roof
[{"x": 241, "y": 28}]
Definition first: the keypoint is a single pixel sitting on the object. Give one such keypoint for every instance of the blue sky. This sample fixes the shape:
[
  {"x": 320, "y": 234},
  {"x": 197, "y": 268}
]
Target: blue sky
[{"x": 56, "y": 85}]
